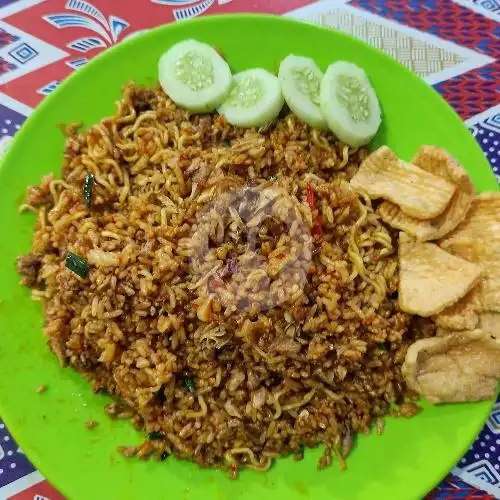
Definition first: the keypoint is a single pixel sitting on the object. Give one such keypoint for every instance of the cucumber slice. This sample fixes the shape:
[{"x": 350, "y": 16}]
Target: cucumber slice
[
  {"x": 194, "y": 76},
  {"x": 254, "y": 99},
  {"x": 349, "y": 103},
  {"x": 300, "y": 80}
]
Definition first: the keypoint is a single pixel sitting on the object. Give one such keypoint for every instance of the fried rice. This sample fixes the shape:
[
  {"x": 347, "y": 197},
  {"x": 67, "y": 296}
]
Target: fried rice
[{"x": 241, "y": 300}]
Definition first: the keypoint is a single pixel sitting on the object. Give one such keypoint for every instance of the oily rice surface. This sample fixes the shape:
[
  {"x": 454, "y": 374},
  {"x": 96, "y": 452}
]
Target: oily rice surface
[{"x": 241, "y": 299}]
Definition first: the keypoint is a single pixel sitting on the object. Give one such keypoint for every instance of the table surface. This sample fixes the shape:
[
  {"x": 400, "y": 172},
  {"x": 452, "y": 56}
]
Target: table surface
[{"x": 453, "y": 44}]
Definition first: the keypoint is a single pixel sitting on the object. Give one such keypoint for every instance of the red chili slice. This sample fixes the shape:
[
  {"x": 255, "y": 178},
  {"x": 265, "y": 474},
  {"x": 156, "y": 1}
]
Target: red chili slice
[{"x": 310, "y": 198}]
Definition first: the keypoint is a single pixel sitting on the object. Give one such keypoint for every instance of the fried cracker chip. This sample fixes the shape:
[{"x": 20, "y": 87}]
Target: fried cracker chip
[
  {"x": 438, "y": 162},
  {"x": 467, "y": 314},
  {"x": 477, "y": 239},
  {"x": 490, "y": 322},
  {"x": 442, "y": 332},
  {"x": 463, "y": 366},
  {"x": 431, "y": 279},
  {"x": 479, "y": 233},
  {"x": 490, "y": 285},
  {"x": 462, "y": 315},
  {"x": 417, "y": 192}
]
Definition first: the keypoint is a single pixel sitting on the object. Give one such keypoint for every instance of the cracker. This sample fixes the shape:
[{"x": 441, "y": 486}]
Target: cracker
[
  {"x": 431, "y": 279},
  {"x": 458, "y": 367},
  {"x": 477, "y": 239},
  {"x": 417, "y": 192},
  {"x": 441, "y": 163}
]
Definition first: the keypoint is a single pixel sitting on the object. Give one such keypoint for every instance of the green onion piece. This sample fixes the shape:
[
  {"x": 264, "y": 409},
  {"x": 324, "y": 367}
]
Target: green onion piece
[
  {"x": 164, "y": 455},
  {"x": 189, "y": 384},
  {"x": 155, "y": 436},
  {"x": 493, "y": 311},
  {"x": 77, "y": 264},
  {"x": 88, "y": 184}
]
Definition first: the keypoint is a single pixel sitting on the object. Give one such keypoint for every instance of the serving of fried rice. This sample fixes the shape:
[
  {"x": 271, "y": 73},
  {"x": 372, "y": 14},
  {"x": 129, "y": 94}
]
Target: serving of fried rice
[{"x": 240, "y": 302}]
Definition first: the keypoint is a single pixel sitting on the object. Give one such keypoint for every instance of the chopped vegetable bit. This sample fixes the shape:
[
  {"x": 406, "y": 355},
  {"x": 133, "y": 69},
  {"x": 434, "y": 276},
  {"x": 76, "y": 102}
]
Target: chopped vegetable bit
[
  {"x": 189, "y": 383},
  {"x": 77, "y": 264},
  {"x": 310, "y": 198},
  {"x": 88, "y": 185},
  {"x": 164, "y": 455},
  {"x": 317, "y": 228},
  {"x": 41, "y": 388},
  {"x": 155, "y": 436}
]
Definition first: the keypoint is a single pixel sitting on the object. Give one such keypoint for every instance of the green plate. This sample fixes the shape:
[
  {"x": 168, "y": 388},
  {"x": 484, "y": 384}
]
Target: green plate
[{"x": 406, "y": 462}]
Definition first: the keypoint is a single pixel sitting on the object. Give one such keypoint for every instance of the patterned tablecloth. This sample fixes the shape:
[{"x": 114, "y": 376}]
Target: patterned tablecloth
[{"x": 453, "y": 45}]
